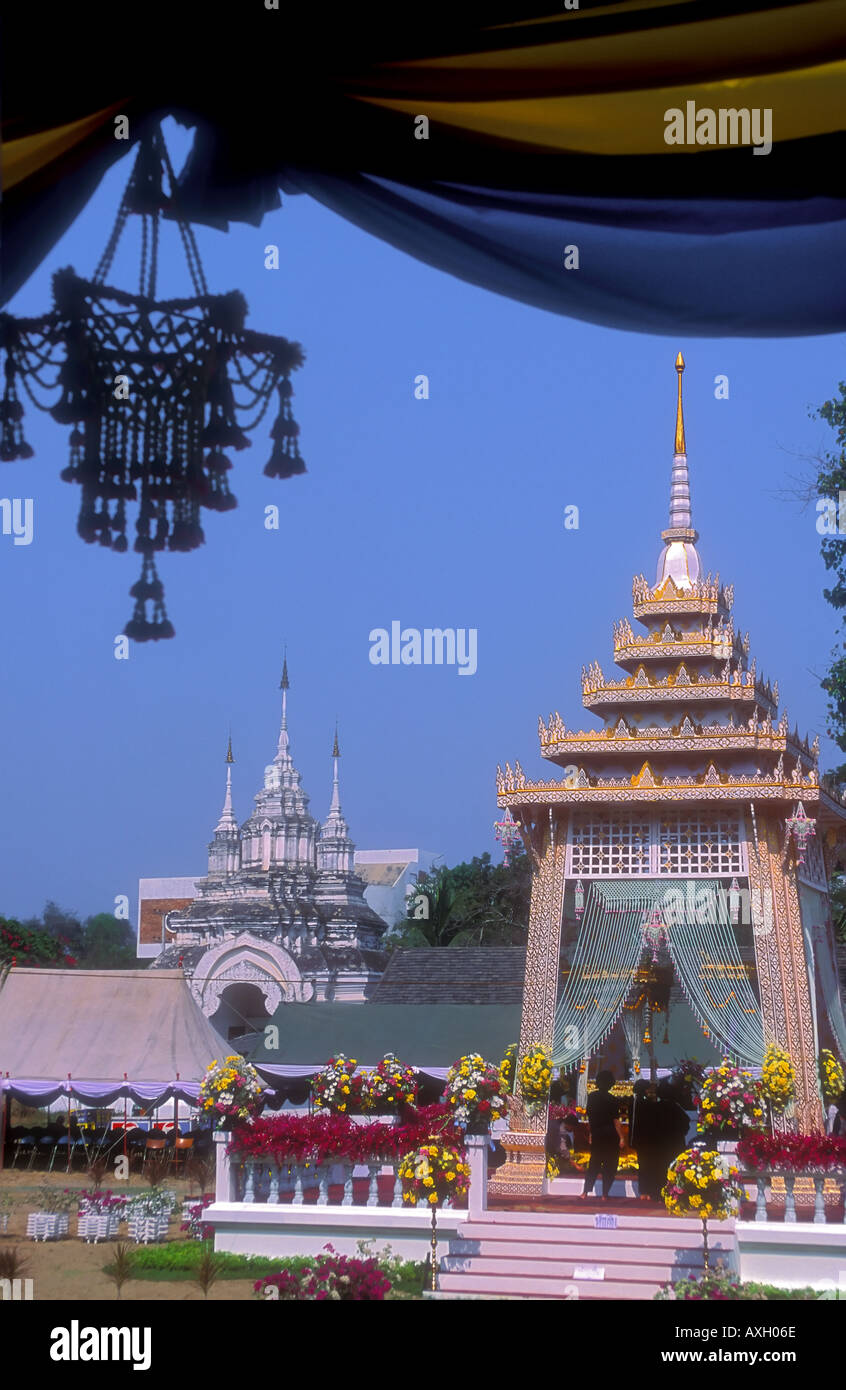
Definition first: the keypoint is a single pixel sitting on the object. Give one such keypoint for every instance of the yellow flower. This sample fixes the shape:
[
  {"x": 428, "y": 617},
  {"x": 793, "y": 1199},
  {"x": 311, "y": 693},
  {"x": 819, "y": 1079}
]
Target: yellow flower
[{"x": 433, "y": 1196}]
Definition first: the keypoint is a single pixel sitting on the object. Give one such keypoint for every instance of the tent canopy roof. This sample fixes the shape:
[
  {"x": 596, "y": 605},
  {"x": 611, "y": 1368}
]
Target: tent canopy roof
[{"x": 98, "y": 1024}]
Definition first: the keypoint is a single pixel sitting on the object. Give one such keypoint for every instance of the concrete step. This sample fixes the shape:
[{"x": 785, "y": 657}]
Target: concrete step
[
  {"x": 526, "y": 1286},
  {"x": 474, "y": 1235},
  {"x": 555, "y": 1271},
  {"x": 554, "y": 1254}
]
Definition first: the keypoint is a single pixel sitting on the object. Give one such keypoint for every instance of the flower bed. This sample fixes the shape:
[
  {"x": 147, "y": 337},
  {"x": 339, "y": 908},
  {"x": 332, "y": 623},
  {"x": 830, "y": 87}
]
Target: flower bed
[
  {"x": 792, "y": 1153},
  {"x": 331, "y": 1278},
  {"x": 324, "y": 1139}
]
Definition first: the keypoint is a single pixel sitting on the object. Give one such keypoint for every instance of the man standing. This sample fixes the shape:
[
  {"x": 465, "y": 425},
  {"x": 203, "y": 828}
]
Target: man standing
[{"x": 606, "y": 1136}]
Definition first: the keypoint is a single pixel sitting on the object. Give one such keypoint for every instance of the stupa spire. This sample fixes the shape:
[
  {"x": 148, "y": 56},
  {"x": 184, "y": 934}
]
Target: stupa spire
[
  {"x": 227, "y": 816},
  {"x": 335, "y": 804},
  {"x": 283, "y": 746},
  {"x": 679, "y": 559}
]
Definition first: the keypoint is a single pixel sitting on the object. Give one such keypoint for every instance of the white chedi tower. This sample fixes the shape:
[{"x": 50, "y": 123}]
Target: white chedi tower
[
  {"x": 225, "y": 848},
  {"x": 335, "y": 849}
]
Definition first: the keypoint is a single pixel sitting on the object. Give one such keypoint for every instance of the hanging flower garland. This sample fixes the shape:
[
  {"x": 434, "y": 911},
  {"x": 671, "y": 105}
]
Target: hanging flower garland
[
  {"x": 778, "y": 1078},
  {"x": 508, "y": 1069},
  {"x": 231, "y": 1091},
  {"x": 475, "y": 1092},
  {"x": 535, "y": 1076},
  {"x": 832, "y": 1078}
]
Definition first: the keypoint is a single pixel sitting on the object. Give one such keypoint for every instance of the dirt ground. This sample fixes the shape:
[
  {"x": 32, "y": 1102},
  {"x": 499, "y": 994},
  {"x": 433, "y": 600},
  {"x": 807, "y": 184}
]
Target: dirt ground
[{"x": 71, "y": 1269}]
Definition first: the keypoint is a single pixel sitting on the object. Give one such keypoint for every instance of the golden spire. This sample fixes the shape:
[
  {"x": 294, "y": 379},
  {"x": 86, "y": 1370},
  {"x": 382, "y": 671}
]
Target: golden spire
[
  {"x": 680, "y": 446},
  {"x": 336, "y": 752},
  {"x": 229, "y": 757},
  {"x": 284, "y": 684}
]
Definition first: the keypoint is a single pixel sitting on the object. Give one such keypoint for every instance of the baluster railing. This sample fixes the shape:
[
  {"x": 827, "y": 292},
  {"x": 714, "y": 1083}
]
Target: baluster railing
[
  {"x": 249, "y": 1180},
  {"x": 323, "y": 1186},
  {"x": 273, "y": 1193},
  {"x": 819, "y": 1198},
  {"x": 761, "y": 1199},
  {"x": 397, "y": 1201},
  {"x": 346, "y": 1200},
  {"x": 298, "y": 1185},
  {"x": 789, "y": 1202},
  {"x": 373, "y": 1188}
]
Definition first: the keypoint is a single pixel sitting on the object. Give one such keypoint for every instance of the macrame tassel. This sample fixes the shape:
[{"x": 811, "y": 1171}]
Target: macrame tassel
[
  {"x": 285, "y": 460},
  {"x": 222, "y": 428},
  {"x": 148, "y": 589},
  {"x": 12, "y": 443},
  {"x": 216, "y": 495}
]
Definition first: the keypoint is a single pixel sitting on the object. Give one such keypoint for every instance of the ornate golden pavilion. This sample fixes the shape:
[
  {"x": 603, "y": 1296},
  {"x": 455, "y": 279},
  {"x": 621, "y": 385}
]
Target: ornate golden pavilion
[{"x": 694, "y": 823}]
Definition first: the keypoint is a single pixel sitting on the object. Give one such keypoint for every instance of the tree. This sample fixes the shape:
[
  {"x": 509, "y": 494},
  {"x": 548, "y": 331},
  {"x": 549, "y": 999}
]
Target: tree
[
  {"x": 27, "y": 947},
  {"x": 473, "y": 904},
  {"x": 108, "y": 943}
]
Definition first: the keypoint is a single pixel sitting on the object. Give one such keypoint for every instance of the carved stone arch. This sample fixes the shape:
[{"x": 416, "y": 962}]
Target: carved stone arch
[{"x": 245, "y": 959}]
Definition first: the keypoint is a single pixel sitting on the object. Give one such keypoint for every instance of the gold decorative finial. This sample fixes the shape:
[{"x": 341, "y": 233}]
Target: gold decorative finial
[
  {"x": 229, "y": 757},
  {"x": 336, "y": 752},
  {"x": 680, "y": 445},
  {"x": 283, "y": 684}
]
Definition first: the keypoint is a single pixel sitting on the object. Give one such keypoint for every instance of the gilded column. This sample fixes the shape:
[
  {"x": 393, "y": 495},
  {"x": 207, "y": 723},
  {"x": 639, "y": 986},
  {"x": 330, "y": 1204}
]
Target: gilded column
[{"x": 525, "y": 1167}]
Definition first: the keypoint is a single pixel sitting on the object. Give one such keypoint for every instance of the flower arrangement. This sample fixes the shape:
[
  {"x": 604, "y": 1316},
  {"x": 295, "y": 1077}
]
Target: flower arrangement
[
  {"x": 333, "y": 1088},
  {"x": 535, "y": 1075},
  {"x": 793, "y": 1153},
  {"x": 389, "y": 1085},
  {"x": 730, "y": 1102},
  {"x": 474, "y": 1092},
  {"x": 231, "y": 1091},
  {"x": 332, "y": 1277},
  {"x": 778, "y": 1078},
  {"x": 508, "y": 1069},
  {"x": 832, "y": 1078},
  {"x": 434, "y": 1174},
  {"x": 701, "y": 1183}
]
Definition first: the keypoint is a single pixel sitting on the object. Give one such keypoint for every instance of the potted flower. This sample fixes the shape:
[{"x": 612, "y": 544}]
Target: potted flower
[
  {"x": 475, "y": 1093},
  {"x": 702, "y": 1183},
  {"x": 231, "y": 1091},
  {"x": 508, "y": 1069},
  {"x": 51, "y": 1219},
  {"x": 332, "y": 1087},
  {"x": 433, "y": 1174},
  {"x": 731, "y": 1103},
  {"x": 389, "y": 1086},
  {"x": 192, "y": 1220},
  {"x": 100, "y": 1214},
  {"x": 148, "y": 1214}
]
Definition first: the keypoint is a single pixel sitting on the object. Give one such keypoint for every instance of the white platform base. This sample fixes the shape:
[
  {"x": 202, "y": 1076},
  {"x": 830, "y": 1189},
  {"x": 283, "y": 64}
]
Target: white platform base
[
  {"x": 247, "y": 1228},
  {"x": 574, "y": 1187},
  {"x": 792, "y": 1255}
]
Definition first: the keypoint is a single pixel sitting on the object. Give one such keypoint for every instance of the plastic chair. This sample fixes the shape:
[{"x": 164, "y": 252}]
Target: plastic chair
[
  {"x": 154, "y": 1151},
  {"x": 182, "y": 1152}
]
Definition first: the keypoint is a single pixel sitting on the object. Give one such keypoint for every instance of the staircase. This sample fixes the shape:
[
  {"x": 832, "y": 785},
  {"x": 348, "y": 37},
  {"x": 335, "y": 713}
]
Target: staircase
[{"x": 563, "y": 1254}]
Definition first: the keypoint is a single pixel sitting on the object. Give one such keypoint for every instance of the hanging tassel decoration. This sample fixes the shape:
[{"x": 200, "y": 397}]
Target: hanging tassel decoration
[
  {"x": 285, "y": 460},
  {"x": 148, "y": 589},
  {"x": 580, "y": 897}
]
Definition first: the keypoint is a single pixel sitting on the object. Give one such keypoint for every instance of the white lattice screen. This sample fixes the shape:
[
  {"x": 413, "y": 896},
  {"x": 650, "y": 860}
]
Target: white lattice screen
[{"x": 697, "y": 844}]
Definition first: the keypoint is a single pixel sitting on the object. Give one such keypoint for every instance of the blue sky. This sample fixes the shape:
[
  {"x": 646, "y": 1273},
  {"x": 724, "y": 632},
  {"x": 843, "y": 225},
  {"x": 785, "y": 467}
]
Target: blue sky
[{"x": 447, "y": 512}]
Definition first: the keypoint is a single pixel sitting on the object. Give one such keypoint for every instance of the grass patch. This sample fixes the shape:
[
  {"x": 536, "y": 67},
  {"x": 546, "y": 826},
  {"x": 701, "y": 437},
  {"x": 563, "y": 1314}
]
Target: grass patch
[{"x": 179, "y": 1260}]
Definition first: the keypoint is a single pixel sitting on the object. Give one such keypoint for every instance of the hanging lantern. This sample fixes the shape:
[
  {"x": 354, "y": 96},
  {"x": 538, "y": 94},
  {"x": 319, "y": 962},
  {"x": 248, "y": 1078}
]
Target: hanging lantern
[
  {"x": 734, "y": 902},
  {"x": 580, "y": 897},
  {"x": 802, "y": 828},
  {"x": 507, "y": 834},
  {"x": 145, "y": 387}
]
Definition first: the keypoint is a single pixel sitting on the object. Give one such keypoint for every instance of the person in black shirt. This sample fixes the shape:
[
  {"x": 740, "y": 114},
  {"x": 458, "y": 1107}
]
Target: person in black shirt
[
  {"x": 671, "y": 1126},
  {"x": 606, "y": 1136}
]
